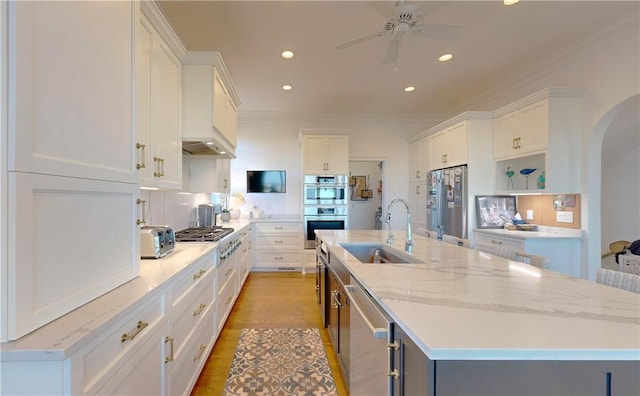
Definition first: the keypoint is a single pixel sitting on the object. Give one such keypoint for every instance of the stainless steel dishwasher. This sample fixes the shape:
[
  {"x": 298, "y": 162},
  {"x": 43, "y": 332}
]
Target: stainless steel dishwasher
[{"x": 371, "y": 333}]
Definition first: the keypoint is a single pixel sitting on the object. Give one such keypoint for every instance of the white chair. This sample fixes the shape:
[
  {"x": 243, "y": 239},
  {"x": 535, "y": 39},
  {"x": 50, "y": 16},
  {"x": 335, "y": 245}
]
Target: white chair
[
  {"x": 432, "y": 234},
  {"x": 497, "y": 250},
  {"x": 620, "y": 280},
  {"x": 629, "y": 263},
  {"x": 458, "y": 241},
  {"x": 532, "y": 259}
]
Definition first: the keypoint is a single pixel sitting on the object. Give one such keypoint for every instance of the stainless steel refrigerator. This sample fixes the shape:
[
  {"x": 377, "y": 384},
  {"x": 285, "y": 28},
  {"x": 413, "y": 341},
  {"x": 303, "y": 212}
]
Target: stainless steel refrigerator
[{"x": 447, "y": 201}]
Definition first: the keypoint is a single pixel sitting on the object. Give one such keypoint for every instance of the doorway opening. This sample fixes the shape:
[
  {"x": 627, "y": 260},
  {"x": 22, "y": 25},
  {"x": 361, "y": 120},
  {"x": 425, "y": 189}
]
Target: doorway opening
[{"x": 365, "y": 194}]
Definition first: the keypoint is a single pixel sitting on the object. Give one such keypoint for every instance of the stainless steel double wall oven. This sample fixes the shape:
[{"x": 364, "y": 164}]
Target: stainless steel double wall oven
[{"x": 325, "y": 205}]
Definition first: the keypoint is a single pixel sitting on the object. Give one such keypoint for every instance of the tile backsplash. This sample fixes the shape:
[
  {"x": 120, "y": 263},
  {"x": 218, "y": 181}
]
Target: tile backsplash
[{"x": 172, "y": 208}]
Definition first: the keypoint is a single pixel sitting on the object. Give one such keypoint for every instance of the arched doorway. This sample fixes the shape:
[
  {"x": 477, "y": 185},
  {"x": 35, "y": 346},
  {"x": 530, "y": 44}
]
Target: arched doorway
[{"x": 614, "y": 181}]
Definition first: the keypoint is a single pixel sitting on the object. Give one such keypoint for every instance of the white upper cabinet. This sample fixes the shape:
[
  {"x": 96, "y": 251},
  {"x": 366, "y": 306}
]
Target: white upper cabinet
[
  {"x": 208, "y": 174},
  {"x": 325, "y": 154},
  {"x": 449, "y": 147},
  {"x": 522, "y": 131},
  {"x": 210, "y": 102},
  {"x": 539, "y": 132},
  {"x": 419, "y": 154},
  {"x": 71, "y": 75},
  {"x": 159, "y": 141}
]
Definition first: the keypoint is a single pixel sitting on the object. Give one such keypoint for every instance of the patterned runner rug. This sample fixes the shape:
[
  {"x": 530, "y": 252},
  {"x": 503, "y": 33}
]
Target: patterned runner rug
[{"x": 280, "y": 361}]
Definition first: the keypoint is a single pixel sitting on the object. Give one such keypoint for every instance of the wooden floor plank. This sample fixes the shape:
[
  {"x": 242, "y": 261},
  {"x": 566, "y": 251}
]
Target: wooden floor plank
[{"x": 268, "y": 299}]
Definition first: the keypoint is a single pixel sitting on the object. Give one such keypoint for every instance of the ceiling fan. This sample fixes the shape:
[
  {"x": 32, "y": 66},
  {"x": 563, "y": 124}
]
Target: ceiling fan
[{"x": 406, "y": 19}]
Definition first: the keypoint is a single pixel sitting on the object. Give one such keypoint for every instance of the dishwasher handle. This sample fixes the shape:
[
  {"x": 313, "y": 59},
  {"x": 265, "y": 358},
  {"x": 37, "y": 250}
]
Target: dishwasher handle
[{"x": 378, "y": 332}]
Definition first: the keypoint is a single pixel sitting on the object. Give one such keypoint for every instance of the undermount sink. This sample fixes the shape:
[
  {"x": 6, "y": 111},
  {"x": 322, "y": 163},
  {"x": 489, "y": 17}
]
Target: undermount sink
[{"x": 364, "y": 252}]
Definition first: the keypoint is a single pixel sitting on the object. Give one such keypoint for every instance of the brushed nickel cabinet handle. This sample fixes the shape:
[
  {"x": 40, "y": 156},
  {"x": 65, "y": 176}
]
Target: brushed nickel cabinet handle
[
  {"x": 199, "y": 310},
  {"x": 199, "y": 274},
  {"x": 131, "y": 335},
  {"x": 170, "y": 357},
  {"x": 141, "y": 147},
  {"x": 142, "y": 204},
  {"x": 199, "y": 354},
  {"x": 496, "y": 242}
]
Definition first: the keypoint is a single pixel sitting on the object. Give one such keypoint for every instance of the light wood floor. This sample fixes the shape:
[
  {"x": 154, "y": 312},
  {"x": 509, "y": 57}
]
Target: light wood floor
[{"x": 268, "y": 299}]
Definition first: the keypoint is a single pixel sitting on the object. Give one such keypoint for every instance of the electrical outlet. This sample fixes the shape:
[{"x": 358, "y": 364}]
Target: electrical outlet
[
  {"x": 529, "y": 214},
  {"x": 564, "y": 217}
]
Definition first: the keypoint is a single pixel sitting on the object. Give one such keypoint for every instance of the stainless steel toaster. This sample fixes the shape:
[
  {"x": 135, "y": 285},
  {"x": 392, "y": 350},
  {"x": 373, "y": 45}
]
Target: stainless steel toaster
[{"x": 156, "y": 241}]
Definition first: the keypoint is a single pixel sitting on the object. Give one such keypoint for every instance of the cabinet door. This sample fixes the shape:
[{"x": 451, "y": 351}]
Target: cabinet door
[
  {"x": 337, "y": 155},
  {"x": 144, "y": 47},
  {"x": 418, "y": 204},
  {"x": 71, "y": 77},
  {"x": 534, "y": 126},
  {"x": 140, "y": 375},
  {"x": 52, "y": 251},
  {"x": 415, "y": 160},
  {"x": 438, "y": 151},
  {"x": 456, "y": 140},
  {"x": 314, "y": 155},
  {"x": 166, "y": 141},
  {"x": 425, "y": 158},
  {"x": 414, "y": 369},
  {"x": 505, "y": 135},
  {"x": 223, "y": 175}
]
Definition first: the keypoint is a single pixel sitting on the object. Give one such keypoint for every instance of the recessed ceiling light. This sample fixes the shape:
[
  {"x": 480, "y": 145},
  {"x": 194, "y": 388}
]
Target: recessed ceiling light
[
  {"x": 287, "y": 54},
  {"x": 210, "y": 143},
  {"x": 510, "y": 2},
  {"x": 287, "y": 87},
  {"x": 445, "y": 57},
  {"x": 409, "y": 89},
  {"x": 223, "y": 152}
]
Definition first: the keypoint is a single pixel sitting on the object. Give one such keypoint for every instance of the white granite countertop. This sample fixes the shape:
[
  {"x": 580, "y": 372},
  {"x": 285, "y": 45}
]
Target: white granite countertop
[
  {"x": 469, "y": 305},
  {"x": 67, "y": 334},
  {"x": 541, "y": 233}
]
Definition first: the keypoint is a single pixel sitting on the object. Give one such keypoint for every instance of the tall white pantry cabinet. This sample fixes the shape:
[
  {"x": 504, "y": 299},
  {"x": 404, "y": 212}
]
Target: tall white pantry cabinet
[{"x": 70, "y": 182}]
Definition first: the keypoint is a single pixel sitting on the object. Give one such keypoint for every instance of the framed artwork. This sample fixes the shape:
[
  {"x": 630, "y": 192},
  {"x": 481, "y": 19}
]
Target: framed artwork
[
  {"x": 493, "y": 211},
  {"x": 359, "y": 187}
]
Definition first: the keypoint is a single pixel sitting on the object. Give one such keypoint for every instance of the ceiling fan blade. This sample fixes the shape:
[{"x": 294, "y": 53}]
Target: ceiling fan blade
[
  {"x": 359, "y": 40},
  {"x": 440, "y": 32},
  {"x": 391, "y": 56}
]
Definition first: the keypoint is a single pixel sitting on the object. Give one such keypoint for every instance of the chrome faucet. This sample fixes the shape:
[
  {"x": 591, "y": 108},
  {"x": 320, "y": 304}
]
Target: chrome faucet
[{"x": 408, "y": 243}]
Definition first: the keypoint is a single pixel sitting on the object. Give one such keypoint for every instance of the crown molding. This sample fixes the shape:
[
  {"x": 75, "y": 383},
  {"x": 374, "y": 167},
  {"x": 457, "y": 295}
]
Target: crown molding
[{"x": 151, "y": 10}]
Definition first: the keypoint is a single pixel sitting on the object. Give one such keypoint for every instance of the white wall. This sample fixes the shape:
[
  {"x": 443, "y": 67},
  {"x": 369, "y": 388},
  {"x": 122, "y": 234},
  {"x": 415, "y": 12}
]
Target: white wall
[{"x": 274, "y": 144}]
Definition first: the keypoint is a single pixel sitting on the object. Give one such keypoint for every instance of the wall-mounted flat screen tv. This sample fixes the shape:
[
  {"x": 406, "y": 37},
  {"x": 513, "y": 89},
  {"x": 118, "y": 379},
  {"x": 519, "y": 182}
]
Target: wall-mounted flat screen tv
[{"x": 266, "y": 181}]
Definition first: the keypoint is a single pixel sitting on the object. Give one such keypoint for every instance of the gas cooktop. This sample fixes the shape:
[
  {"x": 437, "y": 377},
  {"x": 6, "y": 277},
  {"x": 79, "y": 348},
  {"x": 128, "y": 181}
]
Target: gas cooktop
[{"x": 202, "y": 234}]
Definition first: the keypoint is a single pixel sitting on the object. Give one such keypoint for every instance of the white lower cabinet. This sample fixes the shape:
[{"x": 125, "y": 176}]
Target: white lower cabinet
[
  {"x": 563, "y": 254},
  {"x": 245, "y": 255},
  {"x": 278, "y": 246}
]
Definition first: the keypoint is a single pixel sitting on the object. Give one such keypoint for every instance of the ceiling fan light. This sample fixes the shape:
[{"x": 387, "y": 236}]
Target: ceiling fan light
[
  {"x": 445, "y": 57},
  {"x": 287, "y": 54},
  {"x": 287, "y": 87},
  {"x": 410, "y": 88}
]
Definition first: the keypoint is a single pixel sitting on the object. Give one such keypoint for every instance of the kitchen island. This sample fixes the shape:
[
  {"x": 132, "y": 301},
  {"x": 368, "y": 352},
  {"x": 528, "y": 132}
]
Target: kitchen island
[{"x": 502, "y": 325}]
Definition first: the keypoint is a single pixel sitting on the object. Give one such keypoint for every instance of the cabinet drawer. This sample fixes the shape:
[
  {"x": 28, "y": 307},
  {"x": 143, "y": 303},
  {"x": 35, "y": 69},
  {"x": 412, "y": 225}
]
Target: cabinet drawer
[
  {"x": 187, "y": 366},
  {"x": 278, "y": 241},
  {"x": 511, "y": 243},
  {"x": 224, "y": 302},
  {"x": 279, "y": 258},
  {"x": 285, "y": 228},
  {"x": 195, "y": 275},
  {"x": 120, "y": 340},
  {"x": 226, "y": 270},
  {"x": 187, "y": 318}
]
